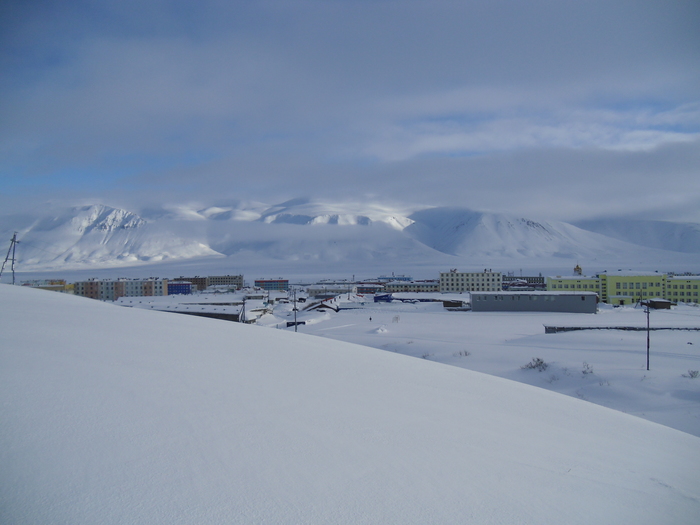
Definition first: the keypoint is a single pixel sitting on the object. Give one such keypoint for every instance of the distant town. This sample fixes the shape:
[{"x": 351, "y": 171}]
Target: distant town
[{"x": 485, "y": 290}]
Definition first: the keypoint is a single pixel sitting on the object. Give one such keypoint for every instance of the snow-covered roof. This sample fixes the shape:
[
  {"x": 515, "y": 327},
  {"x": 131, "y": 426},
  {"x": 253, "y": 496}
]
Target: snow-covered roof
[
  {"x": 537, "y": 292},
  {"x": 631, "y": 273},
  {"x": 576, "y": 277}
]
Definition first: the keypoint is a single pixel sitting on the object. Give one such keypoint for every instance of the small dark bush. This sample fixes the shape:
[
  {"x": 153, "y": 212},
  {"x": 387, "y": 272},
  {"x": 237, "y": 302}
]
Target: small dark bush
[{"x": 536, "y": 364}]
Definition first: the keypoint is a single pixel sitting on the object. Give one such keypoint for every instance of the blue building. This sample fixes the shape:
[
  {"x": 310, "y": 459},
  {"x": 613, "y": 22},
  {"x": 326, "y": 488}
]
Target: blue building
[
  {"x": 179, "y": 288},
  {"x": 272, "y": 284}
]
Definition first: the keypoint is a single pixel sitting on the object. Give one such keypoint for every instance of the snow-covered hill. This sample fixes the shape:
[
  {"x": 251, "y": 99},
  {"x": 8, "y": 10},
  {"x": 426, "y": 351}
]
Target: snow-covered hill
[
  {"x": 98, "y": 235},
  {"x": 302, "y": 232},
  {"x": 117, "y": 415},
  {"x": 468, "y": 233},
  {"x": 673, "y": 236}
]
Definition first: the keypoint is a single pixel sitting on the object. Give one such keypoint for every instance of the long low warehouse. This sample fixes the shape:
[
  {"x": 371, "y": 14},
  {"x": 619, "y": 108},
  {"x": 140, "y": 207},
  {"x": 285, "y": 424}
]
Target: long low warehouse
[{"x": 575, "y": 302}]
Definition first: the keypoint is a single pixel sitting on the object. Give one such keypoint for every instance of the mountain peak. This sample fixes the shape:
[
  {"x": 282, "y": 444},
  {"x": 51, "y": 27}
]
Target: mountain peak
[{"x": 104, "y": 218}]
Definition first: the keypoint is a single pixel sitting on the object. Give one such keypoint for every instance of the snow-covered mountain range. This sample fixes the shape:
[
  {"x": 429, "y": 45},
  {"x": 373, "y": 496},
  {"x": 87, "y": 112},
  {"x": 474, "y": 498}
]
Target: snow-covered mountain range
[{"x": 302, "y": 232}]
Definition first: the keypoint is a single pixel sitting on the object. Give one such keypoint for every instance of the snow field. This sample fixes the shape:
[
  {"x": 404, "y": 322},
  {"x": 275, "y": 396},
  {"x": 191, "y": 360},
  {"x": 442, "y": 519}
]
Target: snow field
[
  {"x": 120, "y": 415},
  {"x": 501, "y": 343}
]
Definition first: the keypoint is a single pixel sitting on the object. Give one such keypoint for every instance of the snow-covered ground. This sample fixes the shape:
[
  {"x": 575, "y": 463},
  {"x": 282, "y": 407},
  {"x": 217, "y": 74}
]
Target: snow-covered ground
[
  {"x": 121, "y": 415},
  {"x": 607, "y": 367}
]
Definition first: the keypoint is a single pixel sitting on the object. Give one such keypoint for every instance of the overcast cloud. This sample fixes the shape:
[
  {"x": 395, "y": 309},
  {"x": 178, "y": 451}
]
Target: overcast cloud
[{"x": 559, "y": 110}]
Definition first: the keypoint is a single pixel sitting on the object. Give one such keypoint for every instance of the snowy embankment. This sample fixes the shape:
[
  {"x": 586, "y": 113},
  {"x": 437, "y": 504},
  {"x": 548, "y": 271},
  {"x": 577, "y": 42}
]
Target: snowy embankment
[
  {"x": 607, "y": 367},
  {"x": 119, "y": 415}
]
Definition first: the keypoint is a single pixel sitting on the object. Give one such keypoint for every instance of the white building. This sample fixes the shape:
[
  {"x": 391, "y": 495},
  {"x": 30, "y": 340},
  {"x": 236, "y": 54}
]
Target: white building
[{"x": 486, "y": 281}]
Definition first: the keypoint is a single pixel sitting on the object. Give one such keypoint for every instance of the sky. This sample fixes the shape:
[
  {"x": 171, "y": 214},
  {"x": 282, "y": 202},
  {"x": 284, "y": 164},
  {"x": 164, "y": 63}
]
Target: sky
[{"x": 555, "y": 110}]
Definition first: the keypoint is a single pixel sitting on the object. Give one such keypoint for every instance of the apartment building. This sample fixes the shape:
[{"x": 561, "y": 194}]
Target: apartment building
[
  {"x": 579, "y": 283},
  {"x": 272, "y": 284},
  {"x": 200, "y": 282},
  {"x": 412, "y": 286},
  {"x": 456, "y": 282},
  {"x": 621, "y": 288},
  {"x": 233, "y": 281},
  {"x": 111, "y": 290},
  {"x": 682, "y": 288}
]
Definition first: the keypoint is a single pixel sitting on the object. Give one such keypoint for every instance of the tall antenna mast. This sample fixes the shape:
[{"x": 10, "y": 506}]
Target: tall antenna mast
[{"x": 12, "y": 250}]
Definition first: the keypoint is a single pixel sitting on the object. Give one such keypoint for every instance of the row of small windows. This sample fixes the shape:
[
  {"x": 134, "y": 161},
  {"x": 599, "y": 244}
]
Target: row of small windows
[
  {"x": 649, "y": 294},
  {"x": 517, "y": 297},
  {"x": 637, "y": 286},
  {"x": 488, "y": 280}
]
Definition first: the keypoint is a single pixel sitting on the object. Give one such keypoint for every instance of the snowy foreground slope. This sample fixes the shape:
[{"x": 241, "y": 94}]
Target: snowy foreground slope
[{"x": 117, "y": 415}]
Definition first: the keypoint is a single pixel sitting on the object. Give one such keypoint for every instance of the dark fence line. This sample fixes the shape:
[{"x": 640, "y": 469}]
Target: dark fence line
[{"x": 555, "y": 329}]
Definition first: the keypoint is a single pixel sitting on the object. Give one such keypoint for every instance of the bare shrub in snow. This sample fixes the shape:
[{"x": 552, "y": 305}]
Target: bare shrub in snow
[
  {"x": 692, "y": 374},
  {"x": 462, "y": 353},
  {"x": 586, "y": 369},
  {"x": 537, "y": 363}
]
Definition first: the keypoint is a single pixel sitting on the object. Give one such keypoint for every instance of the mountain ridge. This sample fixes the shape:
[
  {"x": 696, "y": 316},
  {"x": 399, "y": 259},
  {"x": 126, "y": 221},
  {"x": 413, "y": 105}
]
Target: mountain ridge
[{"x": 301, "y": 230}]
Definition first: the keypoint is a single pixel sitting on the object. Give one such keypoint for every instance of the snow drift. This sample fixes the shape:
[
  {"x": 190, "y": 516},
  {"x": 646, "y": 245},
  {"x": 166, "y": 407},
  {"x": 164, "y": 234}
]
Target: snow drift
[{"x": 117, "y": 415}]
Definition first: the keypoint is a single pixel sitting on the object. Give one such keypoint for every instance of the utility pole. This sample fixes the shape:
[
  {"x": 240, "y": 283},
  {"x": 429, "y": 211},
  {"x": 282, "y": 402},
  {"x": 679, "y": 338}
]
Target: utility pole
[
  {"x": 12, "y": 249},
  {"x": 294, "y": 290},
  {"x": 647, "y": 308}
]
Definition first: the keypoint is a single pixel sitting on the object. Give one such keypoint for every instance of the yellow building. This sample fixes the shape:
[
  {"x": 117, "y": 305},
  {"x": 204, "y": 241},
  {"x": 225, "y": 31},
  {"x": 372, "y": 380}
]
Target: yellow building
[
  {"x": 54, "y": 285},
  {"x": 579, "y": 283},
  {"x": 621, "y": 288},
  {"x": 683, "y": 288}
]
